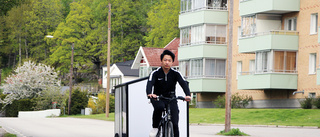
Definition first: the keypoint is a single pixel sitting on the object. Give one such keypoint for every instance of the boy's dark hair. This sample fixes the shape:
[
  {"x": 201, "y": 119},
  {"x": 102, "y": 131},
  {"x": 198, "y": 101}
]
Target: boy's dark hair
[{"x": 167, "y": 52}]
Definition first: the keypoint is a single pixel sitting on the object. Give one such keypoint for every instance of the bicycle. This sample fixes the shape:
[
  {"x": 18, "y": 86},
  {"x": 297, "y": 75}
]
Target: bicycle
[{"x": 165, "y": 128}]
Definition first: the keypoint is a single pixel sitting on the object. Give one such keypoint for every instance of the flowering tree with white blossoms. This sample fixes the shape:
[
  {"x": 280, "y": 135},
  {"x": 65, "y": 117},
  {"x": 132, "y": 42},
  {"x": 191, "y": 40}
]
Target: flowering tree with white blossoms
[{"x": 28, "y": 81}]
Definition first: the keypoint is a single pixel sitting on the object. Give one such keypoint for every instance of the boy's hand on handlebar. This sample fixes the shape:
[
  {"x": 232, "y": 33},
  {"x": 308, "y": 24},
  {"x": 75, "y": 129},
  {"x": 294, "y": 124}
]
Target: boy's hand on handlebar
[
  {"x": 188, "y": 98},
  {"x": 152, "y": 96}
]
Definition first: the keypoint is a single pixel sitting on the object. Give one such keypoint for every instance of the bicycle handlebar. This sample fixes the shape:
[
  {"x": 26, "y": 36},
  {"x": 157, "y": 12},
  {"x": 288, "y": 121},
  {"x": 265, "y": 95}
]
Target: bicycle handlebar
[{"x": 169, "y": 98}]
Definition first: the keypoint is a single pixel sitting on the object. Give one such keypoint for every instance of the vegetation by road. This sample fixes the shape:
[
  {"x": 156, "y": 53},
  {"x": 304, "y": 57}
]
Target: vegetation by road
[{"x": 280, "y": 117}]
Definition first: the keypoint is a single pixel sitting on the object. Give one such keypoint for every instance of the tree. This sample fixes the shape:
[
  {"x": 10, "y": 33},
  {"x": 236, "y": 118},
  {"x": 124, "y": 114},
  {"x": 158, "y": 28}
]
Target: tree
[
  {"x": 76, "y": 29},
  {"x": 127, "y": 29},
  {"x": 29, "y": 81},
  {"x": 163, "y": 20}
]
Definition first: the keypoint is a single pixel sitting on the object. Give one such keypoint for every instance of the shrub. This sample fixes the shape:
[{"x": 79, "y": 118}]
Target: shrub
[
  {"x": 220, "y": 102},
  {"x": 98, "y": 106},
  {"x": 233, "y": 132},
  {"x": 306, "y": 103},
  {"x": 237, "y": 101},
  {"x": 13, "y": 109},
  {"x": 79, "y": 100},
  {"x": 316, "y": 102},
  {"x": 49, "y": 100}
]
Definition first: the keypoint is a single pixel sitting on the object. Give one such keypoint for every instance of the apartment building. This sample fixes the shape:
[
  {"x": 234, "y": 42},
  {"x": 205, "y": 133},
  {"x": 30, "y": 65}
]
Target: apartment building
[{"x": 274, "y": 51}]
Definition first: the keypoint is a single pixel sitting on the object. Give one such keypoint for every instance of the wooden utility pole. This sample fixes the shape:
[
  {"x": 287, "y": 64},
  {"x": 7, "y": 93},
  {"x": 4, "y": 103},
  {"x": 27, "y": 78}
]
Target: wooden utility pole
[
  {"x": 108, "y": 62},
  {"x": 229, "y": 77}
]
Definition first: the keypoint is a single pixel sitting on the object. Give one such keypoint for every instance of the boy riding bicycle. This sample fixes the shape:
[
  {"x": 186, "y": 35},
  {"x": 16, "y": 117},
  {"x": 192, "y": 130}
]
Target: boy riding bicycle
[{"x": 163, "y": 81}]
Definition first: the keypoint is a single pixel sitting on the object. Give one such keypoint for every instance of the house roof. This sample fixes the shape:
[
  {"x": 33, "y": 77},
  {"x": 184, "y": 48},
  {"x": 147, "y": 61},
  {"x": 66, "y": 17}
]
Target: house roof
[
  {"x": 152, "y": 55},
  {"x": 125, "y": 68}
]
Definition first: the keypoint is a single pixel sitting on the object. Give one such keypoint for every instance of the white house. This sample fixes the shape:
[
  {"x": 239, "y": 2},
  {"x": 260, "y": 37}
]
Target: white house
[{"x": 120, "y": 73}]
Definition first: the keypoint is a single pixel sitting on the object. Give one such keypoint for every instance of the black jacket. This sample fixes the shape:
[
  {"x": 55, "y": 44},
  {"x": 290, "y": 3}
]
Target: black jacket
[{"x": 164, "y": 84}]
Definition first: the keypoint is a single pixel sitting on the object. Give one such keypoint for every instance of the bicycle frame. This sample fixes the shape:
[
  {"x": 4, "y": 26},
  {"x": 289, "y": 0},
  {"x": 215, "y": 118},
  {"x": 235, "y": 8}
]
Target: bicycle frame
[{"x": 166, "y": 118}]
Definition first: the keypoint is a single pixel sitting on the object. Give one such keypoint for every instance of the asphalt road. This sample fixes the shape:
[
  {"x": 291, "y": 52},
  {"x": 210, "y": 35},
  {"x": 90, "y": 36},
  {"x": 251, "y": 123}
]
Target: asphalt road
[{"x": 73, "y": 127}]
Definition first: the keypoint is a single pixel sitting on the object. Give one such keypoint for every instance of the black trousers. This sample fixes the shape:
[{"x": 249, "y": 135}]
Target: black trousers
[{"x": 157, "y": 114}]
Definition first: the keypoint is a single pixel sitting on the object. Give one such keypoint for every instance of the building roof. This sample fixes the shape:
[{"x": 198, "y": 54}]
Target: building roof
[
  {"x": 125, "y": 68},
  {"x": 152, "y": 55}
]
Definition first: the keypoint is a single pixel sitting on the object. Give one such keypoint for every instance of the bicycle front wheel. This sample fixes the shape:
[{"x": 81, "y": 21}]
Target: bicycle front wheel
[{"x": 169, "y": 129}]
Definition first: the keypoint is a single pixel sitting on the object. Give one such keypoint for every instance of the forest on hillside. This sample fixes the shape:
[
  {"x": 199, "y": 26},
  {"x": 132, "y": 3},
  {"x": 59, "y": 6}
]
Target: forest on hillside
[{"x": 24, "y": 25}]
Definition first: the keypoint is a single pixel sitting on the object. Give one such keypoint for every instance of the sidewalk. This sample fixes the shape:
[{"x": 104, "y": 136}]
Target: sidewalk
[{"x": 210, "y": 130}]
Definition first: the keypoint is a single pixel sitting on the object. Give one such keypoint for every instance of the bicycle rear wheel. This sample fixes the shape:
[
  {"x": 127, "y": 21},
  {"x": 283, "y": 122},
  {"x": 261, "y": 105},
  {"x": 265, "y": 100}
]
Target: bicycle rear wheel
[{"x": 169, "y": 129}]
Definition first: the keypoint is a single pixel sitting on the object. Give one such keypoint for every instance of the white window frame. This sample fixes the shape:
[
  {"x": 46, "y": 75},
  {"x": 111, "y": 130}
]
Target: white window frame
[
  {"x": 312, "y": 63},
  {"x": 263, "y": 61},
  {"x": 252, "y": 66},
  {"x": 312, "y": 95},
  {"x": 314, "y": 24},
  {"x": 239, "y": 68},
  {"x": 292, "y": 22}
]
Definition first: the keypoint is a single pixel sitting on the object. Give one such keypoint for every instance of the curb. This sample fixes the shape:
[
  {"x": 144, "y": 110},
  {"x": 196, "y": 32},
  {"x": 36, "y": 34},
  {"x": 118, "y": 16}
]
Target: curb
[{"x": 270, "y": 126}]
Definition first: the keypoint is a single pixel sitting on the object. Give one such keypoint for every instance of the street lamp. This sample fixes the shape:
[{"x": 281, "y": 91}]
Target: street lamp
[{"x": 71, "y": 74}]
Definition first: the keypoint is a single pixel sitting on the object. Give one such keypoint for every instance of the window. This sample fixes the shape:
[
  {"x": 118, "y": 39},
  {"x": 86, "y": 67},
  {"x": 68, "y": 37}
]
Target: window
[
  {"x": 215, "y": 68},
  {"x": 284, "y": 61},
  {"x": 184, "y": 67},
  {"x": 263, "y": 61},
  {"x": 291, "y": 24},
  {"x": 185, "y": 35},
  {"x": 239, "y": 68},
  {"x": 192, "y": 5},
  {"x": 197, "y": 35},
  {"x": 248, "y": 26},
  {"x": 312, "y": 63},
  {"x": 312, "y": 95},
  {"x": 196, "y": 67},
  {"x": 143, "y": 71},
  {"x": 217, "y": 4},
  {"x": 252, "y": 66},
  {"x": 239, "y": 35},
  {"x": 185, "y": 5},
  {"x": 215, "y": 34},
  {"x": 314, "y": 23}
]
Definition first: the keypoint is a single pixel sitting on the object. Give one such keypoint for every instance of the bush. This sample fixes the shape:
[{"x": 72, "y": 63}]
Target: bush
[
  {"x": 49, "y": 100},
  {"x": 306, "y": 103},
  {"x": 316, "y": 102},
  {"x": 237, "y": 101},
  {"x": 233, "y": 132},
  {"x": 79, "y": 100},
  {"x": 13, "y": 109},
  {"x": 220, "y": 102},
  {"x": 98, "y": 106}
]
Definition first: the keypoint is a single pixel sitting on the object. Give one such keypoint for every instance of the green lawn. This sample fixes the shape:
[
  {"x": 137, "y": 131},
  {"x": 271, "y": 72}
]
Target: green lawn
[{"x": 281, "y": 117}]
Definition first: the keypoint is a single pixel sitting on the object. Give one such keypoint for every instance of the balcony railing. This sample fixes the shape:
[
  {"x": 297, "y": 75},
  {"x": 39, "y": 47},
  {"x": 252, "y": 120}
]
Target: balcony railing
[
  {"x": 269, "y": 72},
  {"x": 206, "y": 76},
  {"x": 272, "y": 32},
  {"x": 208, "y": 7}
]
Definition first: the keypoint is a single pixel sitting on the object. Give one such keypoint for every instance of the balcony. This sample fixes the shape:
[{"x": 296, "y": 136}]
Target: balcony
[
  {"x": 207, "y": 84},
  {"x": 203, "y": 17},
  {"x": 279, "y": 40},
  {"x": 202, "y": 51},
  {"x": 249, "y": 7},
  {"x": 268, "y": 81}
]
